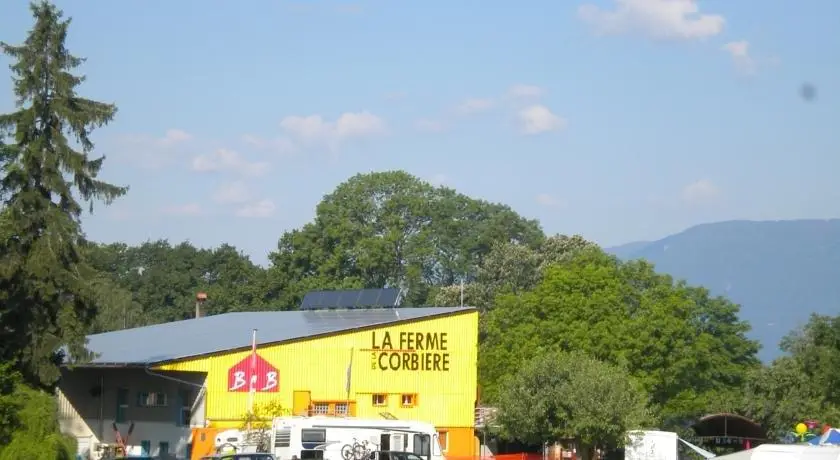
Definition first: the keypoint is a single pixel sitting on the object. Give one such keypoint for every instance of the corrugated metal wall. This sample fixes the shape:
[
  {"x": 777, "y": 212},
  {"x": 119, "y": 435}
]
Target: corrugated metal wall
[{"x": 444, "y": 398}]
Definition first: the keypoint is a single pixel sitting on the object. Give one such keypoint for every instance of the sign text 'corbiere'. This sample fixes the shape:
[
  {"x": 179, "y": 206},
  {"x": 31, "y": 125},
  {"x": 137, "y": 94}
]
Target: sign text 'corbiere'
[{"x": 410, "y": 351}]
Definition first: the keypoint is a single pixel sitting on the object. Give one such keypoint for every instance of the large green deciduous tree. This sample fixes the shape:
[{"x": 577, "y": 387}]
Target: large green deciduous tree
[
  {"x": 511, "y": 267},
  {"x": 688, "y": 350},
  {"x": 32, "y": 431},
  {"x": 557, "y": 396},
  {"x": 157, "y": 282},
  {"x": 801, "y": 385},
  {"x": 391, "y": 228},
  {"x": 45, "y": 295}
]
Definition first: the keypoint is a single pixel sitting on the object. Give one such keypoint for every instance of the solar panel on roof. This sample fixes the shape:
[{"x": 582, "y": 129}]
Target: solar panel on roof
[
  {"x": 351, "y": 299},
  {"x": 331, "y": 299},
  {"x": 347, "y": 298},
  {"x": 310, "y": 299},
  {"x": 369, "y": 297},
  {"x": 389, "y": 297}
]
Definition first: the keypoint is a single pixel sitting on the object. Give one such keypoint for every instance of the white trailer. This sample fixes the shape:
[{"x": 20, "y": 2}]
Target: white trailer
[
  {"x": 659, "y": 445},
  {"x": 350, "y": 438},
  {"x": 786, "y": 452}
]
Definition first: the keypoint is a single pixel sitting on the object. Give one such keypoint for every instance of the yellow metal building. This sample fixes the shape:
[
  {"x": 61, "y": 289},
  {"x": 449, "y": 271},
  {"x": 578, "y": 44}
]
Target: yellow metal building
[{"x": 407, "y": 363}]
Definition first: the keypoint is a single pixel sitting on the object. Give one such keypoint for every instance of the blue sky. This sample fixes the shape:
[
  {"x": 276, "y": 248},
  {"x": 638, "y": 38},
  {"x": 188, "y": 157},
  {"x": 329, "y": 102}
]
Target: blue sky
[{"x": 620, "y": 120}]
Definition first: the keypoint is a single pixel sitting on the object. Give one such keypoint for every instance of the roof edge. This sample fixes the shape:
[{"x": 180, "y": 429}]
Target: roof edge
[
  {"x": 458, "y": 311},
  {"x": 111, "y": 365}
]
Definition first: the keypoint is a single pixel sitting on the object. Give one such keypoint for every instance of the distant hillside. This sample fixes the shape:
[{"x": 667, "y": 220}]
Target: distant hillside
[
  {"x": 628, "y": 250},
  {"x": 779, "y": 271}
]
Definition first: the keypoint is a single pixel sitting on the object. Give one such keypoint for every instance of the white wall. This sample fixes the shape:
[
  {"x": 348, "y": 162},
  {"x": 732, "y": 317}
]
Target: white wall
[{"x": 87, "y": 399}]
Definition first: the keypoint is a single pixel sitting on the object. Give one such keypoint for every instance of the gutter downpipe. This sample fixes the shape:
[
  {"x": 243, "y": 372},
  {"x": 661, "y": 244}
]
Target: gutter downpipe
[{"x": 101, "y": 407}]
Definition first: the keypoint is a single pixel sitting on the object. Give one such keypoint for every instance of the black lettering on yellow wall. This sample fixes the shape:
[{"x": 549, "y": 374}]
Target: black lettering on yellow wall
[
  {"x": 417, "y": 351},
  {"x": 384, "y": 344},
  {"x": 419, "y": 341},
  {"x": 411, "y": 361}
]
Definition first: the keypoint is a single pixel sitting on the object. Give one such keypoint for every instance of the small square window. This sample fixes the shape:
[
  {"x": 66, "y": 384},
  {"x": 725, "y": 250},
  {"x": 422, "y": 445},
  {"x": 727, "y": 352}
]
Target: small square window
[
  {"x": 341, "y": 408},
  {"x": 151, "y": 399},
  {"x": 409, "y": 400},
  {"x": 379, "y": 400},
  {"x": 321, "y": 408}
]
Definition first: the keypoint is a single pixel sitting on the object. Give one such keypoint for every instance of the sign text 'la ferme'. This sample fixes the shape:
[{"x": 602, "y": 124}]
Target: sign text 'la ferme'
[{"x": 409, "y": 351}]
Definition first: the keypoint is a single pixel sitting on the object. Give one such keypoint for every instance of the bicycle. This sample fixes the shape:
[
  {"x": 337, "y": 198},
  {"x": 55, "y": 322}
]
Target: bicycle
[
  {"x": 357, "y": 450},
  {"x": 227, "y": 449}
]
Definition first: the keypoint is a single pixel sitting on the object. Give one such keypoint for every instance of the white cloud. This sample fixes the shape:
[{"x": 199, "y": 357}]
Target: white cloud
[
  {"x": 525, "y": 91},
  {"x": 189, "y": 209},
  {"x": 740, "y": 53},
  {"x": 313, "y": 129},
  {"x": 279, "y": 145},
  {"x": 655, "y": 19},
  {"x": 258, "y": 209},
  {"x": 475, "y": 105},
  {"x": 539, "y": 119},
  {"x": 429, "y": 126},
  {"x": 223, "y": 160},
  {"x": 150, "y": 151},
  {"x": 549, "y": 200},
  {"x": 232, "y": 193},
  {"x": 361, "y": 124},
  {"x": 702, "y": 191},
  {"x": 175, "y": 136}
]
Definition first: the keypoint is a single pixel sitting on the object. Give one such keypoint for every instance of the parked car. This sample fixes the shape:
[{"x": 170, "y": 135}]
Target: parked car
[
  {"x": 395, "y": 455},
  {"x": 243, "y": 456}
]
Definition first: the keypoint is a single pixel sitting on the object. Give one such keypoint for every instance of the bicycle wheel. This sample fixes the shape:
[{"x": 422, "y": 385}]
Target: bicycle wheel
[
  {"x": 359, "y": 452},
  {"x": 348, "y": 452}
]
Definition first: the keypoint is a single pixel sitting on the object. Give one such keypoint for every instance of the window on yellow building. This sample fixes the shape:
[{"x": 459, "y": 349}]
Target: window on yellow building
[
  {"x": 409, "y": 400},
  {"x": 379, "y": 399},
  {"x": 341, "y": 408},
  {"x": 321, "y": 408},
  {"x": 443, "y": 440}
]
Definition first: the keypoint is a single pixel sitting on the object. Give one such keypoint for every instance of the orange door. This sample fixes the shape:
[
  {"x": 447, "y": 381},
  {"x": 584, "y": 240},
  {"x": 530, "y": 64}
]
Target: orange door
[
  {"x": 300, "y": 403},
  {"x": 203, "y": 442}
]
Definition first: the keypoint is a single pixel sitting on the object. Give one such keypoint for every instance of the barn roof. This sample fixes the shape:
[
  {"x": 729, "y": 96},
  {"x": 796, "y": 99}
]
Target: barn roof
[{"x": 230, "y": 331}]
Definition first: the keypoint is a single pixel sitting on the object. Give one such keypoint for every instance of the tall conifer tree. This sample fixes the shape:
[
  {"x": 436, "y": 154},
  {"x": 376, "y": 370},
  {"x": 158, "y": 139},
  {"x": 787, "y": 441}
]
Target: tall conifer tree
[{"x": 46, "y": 300}]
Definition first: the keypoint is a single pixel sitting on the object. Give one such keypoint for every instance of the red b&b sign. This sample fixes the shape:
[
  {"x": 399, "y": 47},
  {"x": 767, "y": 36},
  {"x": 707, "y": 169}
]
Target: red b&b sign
[{"x": 253, "y": 371}]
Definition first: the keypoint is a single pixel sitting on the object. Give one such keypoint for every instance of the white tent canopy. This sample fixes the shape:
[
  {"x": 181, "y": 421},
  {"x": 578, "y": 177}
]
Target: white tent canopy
[{"x": 786, "y": 452}]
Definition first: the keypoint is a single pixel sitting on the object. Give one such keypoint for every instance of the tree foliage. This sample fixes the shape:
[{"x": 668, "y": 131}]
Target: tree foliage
[
  {"x": 684, "y": 347},
  {"x": 47, "y": 300},
  {"x": 801, "y": 385},
  {"x": 570, "y": 396},
  {"x": 44, "y": 291},
  {"x": 392, "y": 229},
  {"x": 157, "y": 282},
  {"x": 512, "y": 267},
  {"x": 257, "y": 423},
  {"x": 36, "y": 431}
]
